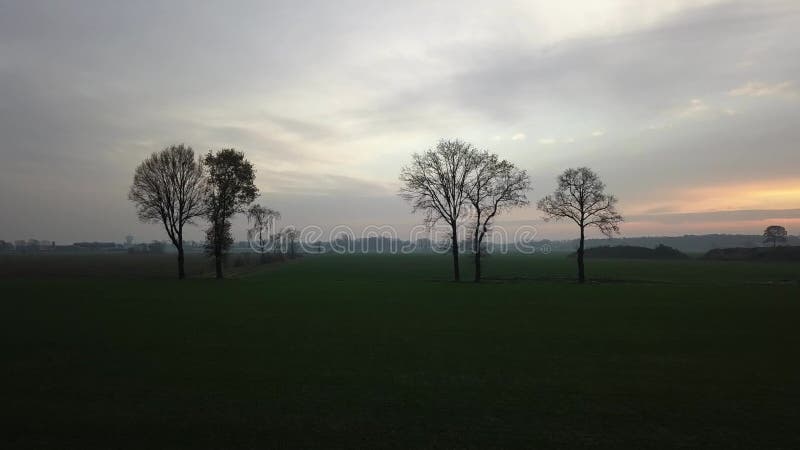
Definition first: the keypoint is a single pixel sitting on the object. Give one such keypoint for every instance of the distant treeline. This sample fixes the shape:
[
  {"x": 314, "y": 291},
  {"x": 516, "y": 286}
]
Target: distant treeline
[
  {"x": 780, "y": 253},
  {"x": 38, "y": 247},
  {"x": 687, "y": 243}
]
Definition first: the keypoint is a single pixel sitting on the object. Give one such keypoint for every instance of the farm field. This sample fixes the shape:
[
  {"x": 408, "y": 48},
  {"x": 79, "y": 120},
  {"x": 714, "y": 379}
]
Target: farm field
[{"x": 383, "y": 351}]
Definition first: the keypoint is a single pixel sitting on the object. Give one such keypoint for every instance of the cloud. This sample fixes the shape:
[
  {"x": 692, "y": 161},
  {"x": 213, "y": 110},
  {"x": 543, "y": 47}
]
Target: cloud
[
  {"x": 696, "y": 108},
  {"x": 329, "y": 100},
  {"x": 547, "y": 141},
  {"x": 658, "y": 126},
  {"x": 588, "y": 76},
  {"x": 761, "y": 89},
  {"x": 333, "y": 185}
]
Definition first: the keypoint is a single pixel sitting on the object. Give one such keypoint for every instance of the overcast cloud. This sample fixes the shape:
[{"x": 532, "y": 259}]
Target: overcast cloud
[{"x": 686, "y": 108}]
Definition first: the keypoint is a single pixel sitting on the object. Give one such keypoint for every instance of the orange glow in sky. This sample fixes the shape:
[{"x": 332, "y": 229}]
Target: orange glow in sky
[{"x": 758, "y": 195}]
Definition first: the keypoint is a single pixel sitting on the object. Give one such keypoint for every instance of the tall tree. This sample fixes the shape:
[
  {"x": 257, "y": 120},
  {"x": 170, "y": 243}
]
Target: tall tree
[
  {"x": 170, "y": 187},
  {"x": 263, "y": 220},
  {"x": 436, "y": 182},
  {"x": 231, "y": 188},
  {"x": 496, "y": 186},
  {"x": 775, "y": 234},
  {"x": 580, "y": 197}
]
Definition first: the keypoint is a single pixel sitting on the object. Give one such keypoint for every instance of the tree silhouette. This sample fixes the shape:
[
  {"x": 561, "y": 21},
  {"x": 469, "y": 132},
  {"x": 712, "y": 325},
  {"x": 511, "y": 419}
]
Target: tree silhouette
[
  {"x": 291, "y": 235},
  {"x": 436, "y": 182},
  {"x": 231, "y": 188},
  {"x": 495, "y": 186},
  {"x": 263, "y": 220},
  {"x": 580, "y": 197},
  {"x": 775, "y": 234},
  {"x": 170, "y": 187}
]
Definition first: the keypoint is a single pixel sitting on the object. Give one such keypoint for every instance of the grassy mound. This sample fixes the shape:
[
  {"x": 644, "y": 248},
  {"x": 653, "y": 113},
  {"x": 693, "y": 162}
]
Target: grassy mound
[{"x": 634, "y": 252}]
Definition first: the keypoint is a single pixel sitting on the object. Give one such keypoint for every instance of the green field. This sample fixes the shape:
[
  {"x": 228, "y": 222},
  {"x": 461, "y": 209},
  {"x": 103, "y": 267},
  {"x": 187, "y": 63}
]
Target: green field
[{"x": 385, "y": 352}]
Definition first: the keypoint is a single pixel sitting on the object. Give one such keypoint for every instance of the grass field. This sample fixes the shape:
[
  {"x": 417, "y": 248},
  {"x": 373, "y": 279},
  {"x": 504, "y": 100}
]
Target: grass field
[{"x": 385, "y": 352}]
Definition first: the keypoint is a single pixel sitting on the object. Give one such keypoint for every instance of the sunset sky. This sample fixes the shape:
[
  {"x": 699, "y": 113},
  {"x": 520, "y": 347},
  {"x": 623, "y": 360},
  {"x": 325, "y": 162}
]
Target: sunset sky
[{"x": 689, "y": 110}]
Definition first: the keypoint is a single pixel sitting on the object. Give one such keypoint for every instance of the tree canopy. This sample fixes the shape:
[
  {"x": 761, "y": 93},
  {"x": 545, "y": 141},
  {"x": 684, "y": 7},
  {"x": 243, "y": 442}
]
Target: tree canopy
[
  {"x": 436, "y": 183},
  {"x": 231, "y": 181},
  {"x": 170, "y": 187},
  {"x": 775, "y": 234},
  {"x": 580, "y": 197}
]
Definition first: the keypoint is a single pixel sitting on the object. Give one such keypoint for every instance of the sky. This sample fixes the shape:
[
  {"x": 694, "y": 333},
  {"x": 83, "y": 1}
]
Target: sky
[{"x": 688, "y": 110}]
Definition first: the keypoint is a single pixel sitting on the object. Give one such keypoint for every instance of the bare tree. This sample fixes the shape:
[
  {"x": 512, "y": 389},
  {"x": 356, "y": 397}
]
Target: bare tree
[
  {"x": 291, "y": 234},
  {"x": 170, "y": 187},
  {"x": 231, "y": 188},
  {"x": 263, "y": 220},
  {"x": 775, "y": 234},
  {"x": 496, "y": 186},
  {"x": 277, "y": 243},
  {"x": 436, "y": 182},
  {"x": 580, "y": 197}
]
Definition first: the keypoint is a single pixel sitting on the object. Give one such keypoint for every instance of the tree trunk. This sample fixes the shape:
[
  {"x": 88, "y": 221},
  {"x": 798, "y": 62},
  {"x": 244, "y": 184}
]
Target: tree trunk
[
  {"x": 476, "y": 250},
  {"x": 456, "y": 271},
  {"x": 218, "y": 251},
  {"x": 262, "y": 247},
  {"x": 181, "y": 271},
  {"x": 218, "y": 265},
  {"x": 478, "y": 265},
  {"x": 581, "y": 274}
]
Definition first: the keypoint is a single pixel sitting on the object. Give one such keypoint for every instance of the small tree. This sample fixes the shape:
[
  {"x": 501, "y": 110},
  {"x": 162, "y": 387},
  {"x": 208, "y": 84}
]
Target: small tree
[
  {"x": 291, "y": 234},
  {"x": 170, "y": 187},
  {"x": 231, "y": 188},
  {"x": 775, "y": 234},
  {"x": 277, "y": 243},
  {"x": 263, "y": 220},
  {"x": 437, "y": 182},
  {"x": 580, "y": 197},
  {"x": 496, "y": 186}
]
